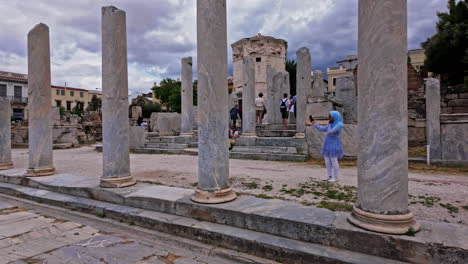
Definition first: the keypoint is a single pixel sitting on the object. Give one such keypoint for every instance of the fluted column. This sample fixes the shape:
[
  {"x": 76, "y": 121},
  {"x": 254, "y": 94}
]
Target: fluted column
[
  {"x": 248, "y": 99},
  {"x": 383, "y": 119},
  {"x": 115, "y": 124},
  {"x": 187, "y": 97},
  {"x": 271, "y": 96},
  {"x": 39, "y": 107},
  {"x": 5, "y": 134},
  {"x": 303, "y": 84},
  {"x": 213, "y": 111}
]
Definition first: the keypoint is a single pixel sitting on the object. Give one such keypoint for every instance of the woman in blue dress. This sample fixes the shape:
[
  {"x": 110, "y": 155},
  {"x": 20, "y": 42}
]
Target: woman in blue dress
[{"x": 332, "y": 149}]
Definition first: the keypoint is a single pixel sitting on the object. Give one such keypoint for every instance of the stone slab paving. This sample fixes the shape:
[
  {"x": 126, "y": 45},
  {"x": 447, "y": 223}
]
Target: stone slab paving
[
  {"x": 427, "y": 189},
  {"x": 49, "y": 237}
]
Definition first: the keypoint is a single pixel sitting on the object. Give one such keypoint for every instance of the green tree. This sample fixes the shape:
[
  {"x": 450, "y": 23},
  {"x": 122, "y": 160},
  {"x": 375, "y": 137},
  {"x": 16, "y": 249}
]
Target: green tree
[
  {"x": 149, "y": 108},
  {"x": 169, "y": 93},
  {"x": 447, "y": 50},
  {"x": 291, "y": 66},
  {"x": 95, "y": 104}
]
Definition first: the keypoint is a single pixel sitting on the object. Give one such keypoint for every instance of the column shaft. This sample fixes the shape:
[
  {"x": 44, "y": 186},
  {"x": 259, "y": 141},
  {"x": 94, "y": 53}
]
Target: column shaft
[
  {"x": 433, "y": 118},
  {"x": 248, "y": 99},
  {"x": 213, "y": 112},
  {"x": 115, "y": 123},
  {"x": 303, "y": 86},
  {"x": 383, "y": 118},
  {"x": 39, "y": 107},
  {"x": 187, "y": 97},
  {"x": 5, "y": 134},
  {"x": 270, "y": 96}
]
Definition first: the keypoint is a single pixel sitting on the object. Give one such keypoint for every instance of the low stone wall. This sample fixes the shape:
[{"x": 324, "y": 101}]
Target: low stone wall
[
  {"x": 454, "y": 99},
  {"x": 165, "y": 124},
  {"x": 137, "y": 137},
  {"x": 454, "y": 139},
  {"x": 348, "y": 139}
]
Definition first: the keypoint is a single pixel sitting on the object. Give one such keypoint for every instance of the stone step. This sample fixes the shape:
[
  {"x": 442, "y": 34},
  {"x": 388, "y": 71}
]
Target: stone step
[
  {"x": 166, "y": 145},
  {"x": 263, "y": 245},
  {"x": 435, "y": 243},
  {"x": 267, "y": 156},
  {"x": 299, "y": 143},
  {"x": 276, "y": 133},
  {"x": 170, "y": 139},
  {"x": 275, "y": 127},
  {"x": 263, "y": 149},
  {"x": 164, "y": 151}
]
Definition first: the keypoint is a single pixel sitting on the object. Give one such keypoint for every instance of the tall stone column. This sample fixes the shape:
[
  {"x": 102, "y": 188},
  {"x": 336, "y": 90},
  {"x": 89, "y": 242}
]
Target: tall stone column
[
  {"x": 281, "y": 84},
  {"x": 213, "y": 112},
  {"x": 383, "y": 119},
  {"x": 115, "y": 123},
  {"x": 40, "y": 110},
  {"x": 186, "y": 128},
  {"x": 271, "y": 95},
  {"x": 303, "y": 84},
  {"x": 5, "y": 134},
  {"x": 433, "y": 118},
  {"x": 248, "y": 99}
]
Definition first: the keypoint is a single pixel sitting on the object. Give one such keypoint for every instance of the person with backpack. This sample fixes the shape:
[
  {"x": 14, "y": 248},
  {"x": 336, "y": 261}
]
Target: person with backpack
[
  {"x": 332, "y": 149},
  {"x": 234, "y": 114},
  {"x": 284, "y": 106}
]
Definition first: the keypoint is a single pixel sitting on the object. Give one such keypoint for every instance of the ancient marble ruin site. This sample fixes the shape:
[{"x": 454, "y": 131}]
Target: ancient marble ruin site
[{"x": 109, "y": 181}]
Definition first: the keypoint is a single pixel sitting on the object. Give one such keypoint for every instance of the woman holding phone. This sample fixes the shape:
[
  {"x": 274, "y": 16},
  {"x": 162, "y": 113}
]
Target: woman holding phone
[{"x": 332, "y": 149}]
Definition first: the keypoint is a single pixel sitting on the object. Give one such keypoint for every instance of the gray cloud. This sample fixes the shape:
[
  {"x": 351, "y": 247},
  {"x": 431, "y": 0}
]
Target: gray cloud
[{"x": 161, "y": 32}]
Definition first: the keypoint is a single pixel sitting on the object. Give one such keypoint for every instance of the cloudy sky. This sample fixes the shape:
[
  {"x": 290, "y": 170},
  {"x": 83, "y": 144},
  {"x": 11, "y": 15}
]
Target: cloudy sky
[{"x": 160, "y": 32}]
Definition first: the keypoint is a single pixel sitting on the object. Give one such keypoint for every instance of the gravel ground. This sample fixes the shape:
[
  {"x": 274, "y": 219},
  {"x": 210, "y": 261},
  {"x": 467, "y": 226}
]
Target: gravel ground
[{"x": 434, "y": 195}]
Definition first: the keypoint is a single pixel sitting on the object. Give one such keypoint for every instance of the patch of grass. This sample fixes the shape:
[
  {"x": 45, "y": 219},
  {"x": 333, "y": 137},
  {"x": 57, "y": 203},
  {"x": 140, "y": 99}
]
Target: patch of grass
[
  {"x": 465, "y": 207},
  {"x": 267, "y": 187},
  {"x": 251, "y": 185},
  {"x": 455, "y": 169},
  {"x": 306, "y": 203},
  {"x": 101, "y": 214},
  {"x": 417, "y": 151},
  {"x": 450, "y": 208},
  {"x": 410, "y": 232},
  {"x": 264, "y": 196},
  {"x": 195, "y": 184},
  {"x": 150, "y": 182},
  {"x": 336, "y": 206},
  {"x": 426, "y": 200}
]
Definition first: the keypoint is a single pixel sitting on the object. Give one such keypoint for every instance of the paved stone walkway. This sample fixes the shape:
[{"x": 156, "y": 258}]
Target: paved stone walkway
[
  {"x": 434, "y": 195},
  {"x": 39, "y": 236}
]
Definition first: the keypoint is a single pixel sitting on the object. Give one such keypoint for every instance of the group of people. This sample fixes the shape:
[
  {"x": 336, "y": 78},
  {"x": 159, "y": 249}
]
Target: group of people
[{"x": 332, "y": 149}]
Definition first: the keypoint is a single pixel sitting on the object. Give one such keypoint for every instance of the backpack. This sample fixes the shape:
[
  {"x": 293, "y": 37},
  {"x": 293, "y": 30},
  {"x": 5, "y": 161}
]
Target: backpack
[{"x": 283, "y": 106}]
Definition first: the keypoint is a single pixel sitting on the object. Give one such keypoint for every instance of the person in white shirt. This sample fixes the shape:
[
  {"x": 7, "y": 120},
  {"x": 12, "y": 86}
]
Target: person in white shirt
[{"x": 260, "y": 108}]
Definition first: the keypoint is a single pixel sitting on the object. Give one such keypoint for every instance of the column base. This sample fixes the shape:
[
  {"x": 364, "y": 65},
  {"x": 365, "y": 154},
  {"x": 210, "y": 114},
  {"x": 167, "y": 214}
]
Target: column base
[
  {"x": 388, "y": 224},
  {"x": 117, "y": 182},
  {"x": 39, "y": 172},
  {"x": 249, "y": 135},
  {"x": 299, "y": 135},
  {"x": 215, "y": 197},
  {"x": 6, "y": 165}
]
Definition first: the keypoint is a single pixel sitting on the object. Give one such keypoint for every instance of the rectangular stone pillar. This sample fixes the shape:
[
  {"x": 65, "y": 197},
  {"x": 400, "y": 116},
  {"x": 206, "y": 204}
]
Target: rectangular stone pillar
[
  {"x": 281, "y": 84},
  {"x": 115, "y": 123},
  {"x": 248, "y": 99},
  {"x": 187, "y": 97},
  {"x": 303, "y": 86},
  {"x": 39, "y": 108},
  {"x": 345, "y": 92},
  {"x": 5, "y": 134},
  {"x": 213, "y": 111},
  {"x": 318, "y": 86},
  {"x": 270, "y": 95},
  {"x": 383, "y": 116},
  {"x": 433, "y": 118}
]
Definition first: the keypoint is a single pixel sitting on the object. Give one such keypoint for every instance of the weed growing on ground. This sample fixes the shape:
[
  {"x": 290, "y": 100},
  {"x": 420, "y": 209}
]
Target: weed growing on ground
[
  {"x": 465, "y": 207},
  {"x": 410, "y": 232},
  {"x": 450, "y": 208},
  {"x": 336, "y": 206},
  {"x": 250, "y": 185},
  {"x": 426, "y": 200},
  {"x": 195, "y": 184},
  {"x": 323, "y": 189},
  {"x": 267, "y": 187},
  {"x": 264, "y": 196}
]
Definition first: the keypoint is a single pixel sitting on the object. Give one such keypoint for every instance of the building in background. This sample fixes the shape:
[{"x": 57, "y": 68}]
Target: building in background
[
  {"x": 347, "y": 66},
  {"x": 15, "y": 87},
  {"x": 265, "y": 51}
]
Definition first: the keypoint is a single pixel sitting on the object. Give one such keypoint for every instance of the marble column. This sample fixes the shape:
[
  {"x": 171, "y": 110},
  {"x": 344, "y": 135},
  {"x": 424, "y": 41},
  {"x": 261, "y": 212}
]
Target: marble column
[
  {"x": 433, "y": 118},
  {"x": 115, "y": 123},
  {"x": 186, "y": 128},
  {"x": 318, "y": 86},
  {"x": 303, "y": 86},
  {"x": 270, "y": 95},
  {"x": 248, "y": 99},
  {"x": 281, "y": 84},
  {"x": 383, "y": 119},
  {"x": 5, "y": 134},
  {"x": 213, "y": 112},
  {"x": 40, "y": 96}
]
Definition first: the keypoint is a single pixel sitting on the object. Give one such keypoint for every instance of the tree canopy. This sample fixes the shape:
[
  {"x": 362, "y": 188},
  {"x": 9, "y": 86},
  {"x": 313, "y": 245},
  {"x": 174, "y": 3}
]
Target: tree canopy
[
  {"x": 447, "y": 50},
  {"x": 169, "y": 93},
  {"x": 291, "y": 66}
]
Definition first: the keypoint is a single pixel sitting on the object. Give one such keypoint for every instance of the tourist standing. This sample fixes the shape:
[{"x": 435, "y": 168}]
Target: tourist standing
[
  {"x": 284, "y": 106},
  {"x": 234, "y": 114},
  {"x": 260, "y": 108},
  {"x": 332, "y": 149},
  {"x": 292, "y": 110}
]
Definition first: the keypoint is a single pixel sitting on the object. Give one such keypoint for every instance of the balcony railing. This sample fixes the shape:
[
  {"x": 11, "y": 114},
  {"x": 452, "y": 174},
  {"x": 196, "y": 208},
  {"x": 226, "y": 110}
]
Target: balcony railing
[{"x": 16, "y": 99}]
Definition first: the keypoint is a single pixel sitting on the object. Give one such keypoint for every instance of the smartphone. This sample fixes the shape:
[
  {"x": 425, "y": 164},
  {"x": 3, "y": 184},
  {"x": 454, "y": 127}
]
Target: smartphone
[{"x": 311, "y": 118}]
